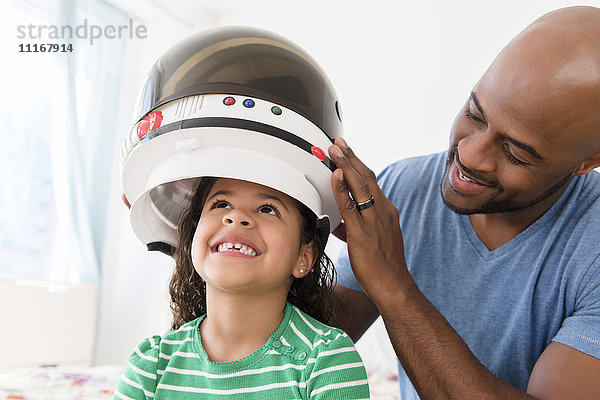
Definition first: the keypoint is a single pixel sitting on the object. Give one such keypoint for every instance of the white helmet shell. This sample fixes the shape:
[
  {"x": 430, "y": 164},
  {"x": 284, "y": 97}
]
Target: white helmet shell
[{"x": 234, "y": 102}]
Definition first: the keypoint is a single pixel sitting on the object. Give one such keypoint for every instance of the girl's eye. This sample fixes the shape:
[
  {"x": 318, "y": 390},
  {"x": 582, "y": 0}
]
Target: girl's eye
[
  {"x": 267, "y": 209},
  {"x": 220, "y": 204}
]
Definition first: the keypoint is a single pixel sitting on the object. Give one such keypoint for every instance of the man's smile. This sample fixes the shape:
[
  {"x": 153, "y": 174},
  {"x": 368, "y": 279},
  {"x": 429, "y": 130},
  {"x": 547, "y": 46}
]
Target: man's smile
[{"x": 463, "y": 183}]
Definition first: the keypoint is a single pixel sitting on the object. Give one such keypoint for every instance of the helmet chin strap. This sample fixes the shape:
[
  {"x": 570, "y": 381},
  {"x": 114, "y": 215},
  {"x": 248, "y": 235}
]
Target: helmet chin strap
[
  {"x": 323, "y": 229},
  {"x": 162, "y": 247}
]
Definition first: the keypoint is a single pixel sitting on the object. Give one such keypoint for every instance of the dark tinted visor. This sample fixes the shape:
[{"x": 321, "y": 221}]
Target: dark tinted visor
[{"x": 243, "y": 61}]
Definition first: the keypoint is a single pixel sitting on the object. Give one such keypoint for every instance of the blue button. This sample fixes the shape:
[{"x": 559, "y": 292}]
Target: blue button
[{"x": 249, "y": 103}]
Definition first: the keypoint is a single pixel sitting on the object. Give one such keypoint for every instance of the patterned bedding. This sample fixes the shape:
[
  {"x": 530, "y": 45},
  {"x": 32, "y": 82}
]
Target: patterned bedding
[{"x": 97, "y": 383}]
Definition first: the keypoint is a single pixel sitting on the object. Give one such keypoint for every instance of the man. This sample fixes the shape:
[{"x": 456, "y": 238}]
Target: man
[{"x": 491, "y": 290}]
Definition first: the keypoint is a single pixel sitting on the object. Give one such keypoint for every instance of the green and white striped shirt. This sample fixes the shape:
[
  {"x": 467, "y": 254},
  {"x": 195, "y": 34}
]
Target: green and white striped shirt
[{"x": 303, "y": 359}]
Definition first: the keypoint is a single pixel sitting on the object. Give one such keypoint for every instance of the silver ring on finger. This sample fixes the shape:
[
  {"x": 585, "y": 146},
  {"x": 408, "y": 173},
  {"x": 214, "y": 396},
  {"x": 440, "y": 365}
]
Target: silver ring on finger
[{"x": 366, "y": 204}]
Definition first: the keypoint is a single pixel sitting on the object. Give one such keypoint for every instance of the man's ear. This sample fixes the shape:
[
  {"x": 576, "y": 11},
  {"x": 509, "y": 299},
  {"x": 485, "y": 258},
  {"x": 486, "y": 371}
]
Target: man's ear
[
  {"x": 308, "y": 256},
  {"x": 588, "y": 165}
]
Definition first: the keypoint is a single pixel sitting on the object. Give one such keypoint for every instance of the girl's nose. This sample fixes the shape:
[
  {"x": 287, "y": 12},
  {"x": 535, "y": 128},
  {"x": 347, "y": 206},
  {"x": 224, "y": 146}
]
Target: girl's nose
[{"x": 236, "y": 217}]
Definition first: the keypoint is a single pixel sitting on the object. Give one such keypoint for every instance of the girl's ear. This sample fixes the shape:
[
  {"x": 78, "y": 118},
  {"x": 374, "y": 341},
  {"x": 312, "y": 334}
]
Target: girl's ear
[{"x": 308, "y": 255}]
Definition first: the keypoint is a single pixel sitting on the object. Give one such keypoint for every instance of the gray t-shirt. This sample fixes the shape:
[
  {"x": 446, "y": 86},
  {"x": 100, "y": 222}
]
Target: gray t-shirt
[{"x": 510, "y": 303}]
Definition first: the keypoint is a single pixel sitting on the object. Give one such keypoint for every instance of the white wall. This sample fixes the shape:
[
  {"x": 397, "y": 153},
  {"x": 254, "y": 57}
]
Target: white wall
[
  {"x": 45, "y": 323},
  {"x": 402, "y": 71}
]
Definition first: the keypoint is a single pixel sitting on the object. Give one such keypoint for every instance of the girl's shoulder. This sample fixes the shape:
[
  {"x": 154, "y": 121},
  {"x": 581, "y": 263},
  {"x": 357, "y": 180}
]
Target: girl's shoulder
[
  {"x": 334, "y": 369},
  {"x": 148, "y": 360},
  {"x": 149, "y": 348},
  {"x": 184, "y": 331},
  {"x": 315, "y": 334}
]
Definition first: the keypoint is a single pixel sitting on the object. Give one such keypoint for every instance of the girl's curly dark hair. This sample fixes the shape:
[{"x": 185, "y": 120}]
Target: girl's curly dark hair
[{"x": 313, "y": 293}]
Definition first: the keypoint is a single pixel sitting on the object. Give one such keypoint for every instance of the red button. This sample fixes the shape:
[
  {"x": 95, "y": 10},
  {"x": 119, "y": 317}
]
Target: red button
[
  {"x": 143, "y": 128},
  {"x": 318, "y": 152},
  {"x": 150, "y": 122},
  {"x": 155, "y": 118},
  {"x": 229, "y": 101}
]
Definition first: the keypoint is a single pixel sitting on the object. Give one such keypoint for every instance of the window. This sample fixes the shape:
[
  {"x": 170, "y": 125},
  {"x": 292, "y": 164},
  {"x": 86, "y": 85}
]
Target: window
[{"x": 55, "y": 143}]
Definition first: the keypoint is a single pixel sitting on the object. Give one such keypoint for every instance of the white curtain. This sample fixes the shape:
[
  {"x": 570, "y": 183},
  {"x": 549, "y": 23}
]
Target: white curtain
[
  {"x": 91, "y": 81},
  {"x": 57, "y": 151}
]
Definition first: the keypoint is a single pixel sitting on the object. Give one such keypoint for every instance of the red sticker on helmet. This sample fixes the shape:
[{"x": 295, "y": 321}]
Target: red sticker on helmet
[
  {"x": 318, "y": 152},
  {"x": 150, "y": 122},
  {"x": 142, "y": 128}
]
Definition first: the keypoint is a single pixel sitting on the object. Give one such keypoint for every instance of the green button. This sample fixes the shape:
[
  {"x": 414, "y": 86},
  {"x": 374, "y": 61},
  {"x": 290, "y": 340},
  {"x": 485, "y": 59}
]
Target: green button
[
  {"x": 276, "y": 344},
  {"x": 290, "y": 349},
  {"x": 301, "y": 356},
  {"x": 276, "y": 110}
]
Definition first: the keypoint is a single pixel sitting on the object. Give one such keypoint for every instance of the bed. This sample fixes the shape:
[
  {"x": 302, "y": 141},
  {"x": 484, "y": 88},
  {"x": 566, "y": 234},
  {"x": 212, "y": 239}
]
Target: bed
[{"x": 97, "y": 383}]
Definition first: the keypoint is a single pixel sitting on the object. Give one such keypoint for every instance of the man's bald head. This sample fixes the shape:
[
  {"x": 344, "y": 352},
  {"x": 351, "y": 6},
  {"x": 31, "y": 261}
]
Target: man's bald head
[
  {"x": 532, "y": 122},
  {"x": 548, "y": 77}
]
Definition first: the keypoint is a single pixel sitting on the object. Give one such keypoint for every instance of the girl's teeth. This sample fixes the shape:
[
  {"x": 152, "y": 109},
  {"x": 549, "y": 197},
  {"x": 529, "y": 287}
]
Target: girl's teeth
[{"x": 236, "y": 247}]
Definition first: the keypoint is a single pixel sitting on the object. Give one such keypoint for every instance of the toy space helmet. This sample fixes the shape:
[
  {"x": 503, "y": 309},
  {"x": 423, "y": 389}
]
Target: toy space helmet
[{"x": 233, "y": 102}]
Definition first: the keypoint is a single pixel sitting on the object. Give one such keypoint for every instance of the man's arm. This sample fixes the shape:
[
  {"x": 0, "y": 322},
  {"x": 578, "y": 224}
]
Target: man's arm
[
  {"x": 356, "y": 312},
  {"x": 562, "y": 372},
  {"x": 434, "y": 356}
]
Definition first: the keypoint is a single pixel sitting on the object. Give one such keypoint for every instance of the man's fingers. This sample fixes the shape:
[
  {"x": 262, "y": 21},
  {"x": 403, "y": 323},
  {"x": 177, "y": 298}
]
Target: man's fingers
[
  {"x": 344, "y": 202},
  {"x": 360, "y": 190},
  {"x": 365, "y": 172}
]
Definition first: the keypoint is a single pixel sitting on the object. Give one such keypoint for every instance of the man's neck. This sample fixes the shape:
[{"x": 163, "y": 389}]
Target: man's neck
[
  {"x": 495, "y": 230},
  {"x": 237, "y": 325}
]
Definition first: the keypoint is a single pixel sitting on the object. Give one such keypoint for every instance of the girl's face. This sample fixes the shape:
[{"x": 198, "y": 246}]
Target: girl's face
[{"x": 248, "y": 239}]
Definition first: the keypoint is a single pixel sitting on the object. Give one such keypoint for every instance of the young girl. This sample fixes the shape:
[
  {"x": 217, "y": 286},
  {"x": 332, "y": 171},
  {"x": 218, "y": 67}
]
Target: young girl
[{"x": 250, "y": 281}]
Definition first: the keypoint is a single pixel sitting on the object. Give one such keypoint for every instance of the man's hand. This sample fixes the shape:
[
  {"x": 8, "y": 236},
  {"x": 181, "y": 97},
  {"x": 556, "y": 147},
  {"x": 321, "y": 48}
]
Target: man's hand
[
  {"x": 424, "y": 342},
  {"x": 373, "y": 234}
]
